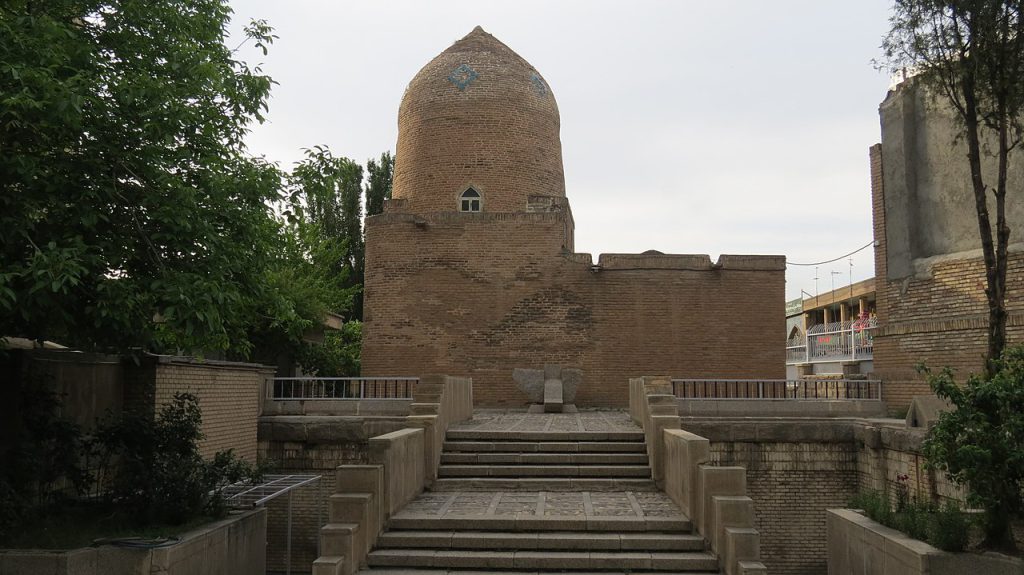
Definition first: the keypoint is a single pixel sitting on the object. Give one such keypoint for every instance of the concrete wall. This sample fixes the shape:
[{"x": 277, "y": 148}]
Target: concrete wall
[
  {"x": 859, "y": 546},
  {"x": 478, "y": 295},
  {"x": 930, "y": 275},
  {"x": 233, "y": 546}
]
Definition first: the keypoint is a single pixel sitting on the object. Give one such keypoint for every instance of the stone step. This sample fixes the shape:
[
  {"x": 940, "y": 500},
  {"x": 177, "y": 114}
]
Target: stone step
[
  {"x": 428, "y": 571},
  {"x": 546, "y": 458},
  {"x": 546, "y": 540},
  {"x": 531, "y": 523},
  {"x": 543, "y": 484},
  {"x": 544, "y": 560},
  {"x": 479, "y": 435},
  {"x": 545, "y": 446},
  {"x": 544, "y": 471}
]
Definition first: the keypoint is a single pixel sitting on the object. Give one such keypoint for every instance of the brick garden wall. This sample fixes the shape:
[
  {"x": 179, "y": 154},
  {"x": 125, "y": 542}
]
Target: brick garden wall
[
  {"x": 228, "y": 392},
  {"x": 478, "y": 295}
]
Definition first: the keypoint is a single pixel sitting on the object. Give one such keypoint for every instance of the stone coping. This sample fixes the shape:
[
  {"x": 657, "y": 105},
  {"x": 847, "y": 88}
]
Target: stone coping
[
  {"x": 858, "y": 544},
  {"x": 241, "y": 534}
]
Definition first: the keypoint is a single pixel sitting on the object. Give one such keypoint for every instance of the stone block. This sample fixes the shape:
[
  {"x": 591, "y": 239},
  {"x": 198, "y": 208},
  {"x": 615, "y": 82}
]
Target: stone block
[
  {"x": 571, "y": 380},
  {"x": 741, "y": 544},
  {"x": 717, "y": 481},
  {"x": 342, "y": 540},
  {"x": 925, "y": 409},
  {"x": 552, "y": 371},
  {"x": 730, "y": 512},
  {"x": 329, "y": 565},
  {"x": 552, "y": 395},
  {"x": 530, "y": 382}
]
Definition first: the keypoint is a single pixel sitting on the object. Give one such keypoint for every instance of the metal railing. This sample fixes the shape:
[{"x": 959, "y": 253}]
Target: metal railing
[
  {"x": 797, "y": 389},
  {"x": 332, "y": 388},
  {"x": 839, "y": 341}
]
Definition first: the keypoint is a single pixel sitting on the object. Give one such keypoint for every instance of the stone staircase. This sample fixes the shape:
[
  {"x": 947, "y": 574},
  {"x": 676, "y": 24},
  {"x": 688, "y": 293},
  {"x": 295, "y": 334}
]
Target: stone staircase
[{"x": 538, "y": 501}]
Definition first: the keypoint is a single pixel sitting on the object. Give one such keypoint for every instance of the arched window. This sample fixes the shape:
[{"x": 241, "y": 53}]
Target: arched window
[{"x": 469, "y": 201}]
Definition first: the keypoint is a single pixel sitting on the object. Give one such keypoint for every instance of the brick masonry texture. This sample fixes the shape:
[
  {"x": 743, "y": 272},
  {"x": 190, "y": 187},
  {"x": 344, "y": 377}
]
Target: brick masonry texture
[
  {"x": 229, "y": 397},
  {"x": 499, "y": 133},
  {"x": 478, "y": 295},
  {"x": 939, "y": 317},
  {"x": 799, "y": 467},
  {"x": 792, "y": 484}
]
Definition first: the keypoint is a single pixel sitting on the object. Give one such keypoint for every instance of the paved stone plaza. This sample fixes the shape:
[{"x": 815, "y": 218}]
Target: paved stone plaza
[
  {"x": 521, "y": 421},
  {"x": 638, "y": 505}
]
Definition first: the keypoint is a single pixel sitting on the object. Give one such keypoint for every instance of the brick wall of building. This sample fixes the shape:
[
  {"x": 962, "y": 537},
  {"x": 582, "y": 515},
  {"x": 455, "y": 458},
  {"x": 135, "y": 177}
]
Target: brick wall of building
[
  {"x": 938, "y": 315},
  {"x": 478, "y": 295},
  {"x": 498, "y": 132},
  {"x": 791, "y": 485}
]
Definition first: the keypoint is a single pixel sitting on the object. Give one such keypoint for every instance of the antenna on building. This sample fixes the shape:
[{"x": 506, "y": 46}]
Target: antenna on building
[
  {"x": 815, "y": 281},
  {"x": 834, "y": 274}
]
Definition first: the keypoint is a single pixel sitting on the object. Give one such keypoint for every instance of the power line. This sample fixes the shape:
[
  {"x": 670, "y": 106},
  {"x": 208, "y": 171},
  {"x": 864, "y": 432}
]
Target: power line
[{"x": 835, "y": 259}]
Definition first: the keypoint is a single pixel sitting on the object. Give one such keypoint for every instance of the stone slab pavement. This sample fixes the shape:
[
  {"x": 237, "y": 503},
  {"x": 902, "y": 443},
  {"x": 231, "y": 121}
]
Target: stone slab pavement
[
  {"x": 520, "y": 421},
  {"x": 637, "y": 505}
]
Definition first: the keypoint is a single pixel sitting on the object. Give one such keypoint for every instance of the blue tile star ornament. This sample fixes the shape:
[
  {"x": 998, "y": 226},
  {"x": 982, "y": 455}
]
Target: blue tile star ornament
[
  {"x": 538, "y": 85},
  {"x": 462, "y": 76}
]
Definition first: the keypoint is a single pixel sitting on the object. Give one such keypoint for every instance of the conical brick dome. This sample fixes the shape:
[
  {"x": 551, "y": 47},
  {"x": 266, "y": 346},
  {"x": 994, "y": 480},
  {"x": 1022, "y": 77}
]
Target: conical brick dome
[{"x": 477, "y": 116}]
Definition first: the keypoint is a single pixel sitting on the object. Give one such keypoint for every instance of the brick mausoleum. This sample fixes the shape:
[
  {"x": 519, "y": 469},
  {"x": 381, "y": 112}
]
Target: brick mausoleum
[{"x": 471, "y": 269}]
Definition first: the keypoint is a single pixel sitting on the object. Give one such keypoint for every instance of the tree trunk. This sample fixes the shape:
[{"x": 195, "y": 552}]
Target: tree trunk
[{"x": 994, "y": 288}]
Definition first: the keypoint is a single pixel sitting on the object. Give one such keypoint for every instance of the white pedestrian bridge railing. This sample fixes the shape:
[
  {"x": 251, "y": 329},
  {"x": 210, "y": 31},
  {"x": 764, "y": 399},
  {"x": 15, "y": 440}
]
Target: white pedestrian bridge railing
[{"x": 839, "y": 341}]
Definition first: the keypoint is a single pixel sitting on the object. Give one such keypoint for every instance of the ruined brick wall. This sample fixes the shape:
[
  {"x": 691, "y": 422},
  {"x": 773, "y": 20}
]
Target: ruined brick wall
[
  {"x": 478, "y": 295},
  {"x": 228, "y": 392},
  {"x": 938, "y": 315},
  {"x": 791, "y": 485}
]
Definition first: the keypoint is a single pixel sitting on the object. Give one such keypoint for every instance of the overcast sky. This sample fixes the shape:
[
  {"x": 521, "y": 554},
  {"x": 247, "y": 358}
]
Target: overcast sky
[{"x": 687, "y": 127}]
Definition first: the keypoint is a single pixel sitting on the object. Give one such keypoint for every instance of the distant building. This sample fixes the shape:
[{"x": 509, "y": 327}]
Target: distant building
[{"x": 832, "y": 333}]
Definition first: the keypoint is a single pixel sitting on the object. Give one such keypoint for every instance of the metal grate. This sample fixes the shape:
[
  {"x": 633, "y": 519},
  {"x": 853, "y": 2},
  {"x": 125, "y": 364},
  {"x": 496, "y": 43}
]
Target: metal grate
[{"x": 245, "y": 495}]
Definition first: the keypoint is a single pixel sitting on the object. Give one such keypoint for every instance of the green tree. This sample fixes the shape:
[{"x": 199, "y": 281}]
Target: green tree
[
  {"x": 970, "y": 53},
  {"x": 326, "y": 191},
  {"x": 378, "y": 186},
  {"x": 129, "y": 213},
  {"x": 980, "y": 444}
]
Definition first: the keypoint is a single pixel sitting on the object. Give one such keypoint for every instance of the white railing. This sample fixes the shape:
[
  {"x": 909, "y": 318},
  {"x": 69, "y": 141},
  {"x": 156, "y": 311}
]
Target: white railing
[
  {"x": 839, "y": 341},
  {"x": 340, "y": 388},
  {"x": 798, "y": 389}
]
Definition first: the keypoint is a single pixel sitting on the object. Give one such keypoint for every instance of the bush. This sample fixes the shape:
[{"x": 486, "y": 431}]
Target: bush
[
  {"x": 949, "y": 528},
  {"x": 980, "y": 444},
  {"x": 946, "y": 528},
  {"x": 159, "y": 475},
  {"x": 43, "y": 462}
]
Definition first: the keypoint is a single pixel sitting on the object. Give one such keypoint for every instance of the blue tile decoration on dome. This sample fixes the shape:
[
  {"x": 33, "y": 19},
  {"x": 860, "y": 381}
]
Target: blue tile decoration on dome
[
  {"x": 462, "y": 76},
  {"x": 538, "y": 85}
]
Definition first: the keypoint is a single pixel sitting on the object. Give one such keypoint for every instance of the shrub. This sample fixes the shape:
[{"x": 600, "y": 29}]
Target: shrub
[
  {"x": 949, "y": 529},
  {"x": 42, "y": 462},
  {"x": 946, "y": 528},
  {"x": 159, "y": 475},
  {"x": 980, "y": 444}
]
